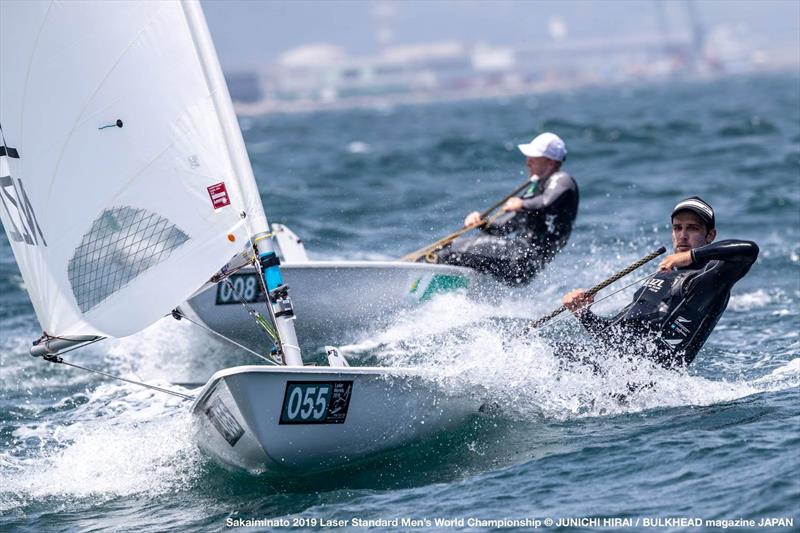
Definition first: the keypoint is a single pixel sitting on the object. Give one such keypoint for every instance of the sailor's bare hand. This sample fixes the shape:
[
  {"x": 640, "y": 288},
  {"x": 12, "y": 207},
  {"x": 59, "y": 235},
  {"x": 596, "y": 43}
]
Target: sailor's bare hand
[
  {"x": 681, "y": 259},
  {"x": 576, "y": 300},
  {"x": 473, "y": 219},
  {"x": 513, "y": 204}
]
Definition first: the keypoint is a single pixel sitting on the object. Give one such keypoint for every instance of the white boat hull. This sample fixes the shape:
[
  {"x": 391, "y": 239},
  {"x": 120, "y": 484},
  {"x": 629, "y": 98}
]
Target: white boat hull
[
  {"x": 332, "y": 300},
  {"x": 308, "y": 419}
]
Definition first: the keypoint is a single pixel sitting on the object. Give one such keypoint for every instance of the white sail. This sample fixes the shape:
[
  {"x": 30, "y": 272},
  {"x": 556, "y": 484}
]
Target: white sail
[{"x": 123, "y": 177}]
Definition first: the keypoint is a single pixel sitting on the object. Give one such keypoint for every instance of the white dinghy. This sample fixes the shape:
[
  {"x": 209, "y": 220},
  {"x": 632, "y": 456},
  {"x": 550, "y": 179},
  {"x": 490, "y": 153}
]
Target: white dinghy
[
  {"x": 334, "y": 301},
  {"x": 306, "y": 419},
  {"x": 126, "y": 186}
]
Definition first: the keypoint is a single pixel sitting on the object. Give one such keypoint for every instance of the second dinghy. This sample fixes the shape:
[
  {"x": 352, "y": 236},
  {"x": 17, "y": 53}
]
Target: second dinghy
[{"x": 334, "y": 301}]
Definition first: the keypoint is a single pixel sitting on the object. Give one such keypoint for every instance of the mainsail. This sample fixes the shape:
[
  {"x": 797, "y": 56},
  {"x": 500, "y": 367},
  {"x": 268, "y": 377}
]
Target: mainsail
[{"x": 124, "y": 183}]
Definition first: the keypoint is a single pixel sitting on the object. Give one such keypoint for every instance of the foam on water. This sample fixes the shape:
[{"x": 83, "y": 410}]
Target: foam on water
[
  {"x": 784, "y": 377},
  {"x": 81, "y": 436},
  {"x": 455, "y": 337},
  {"x": 169, "y": 349},
  {"x": 754, "y": 300},
  {"x": 117, "y": 441},
  {"x": 358, "y": 147}
]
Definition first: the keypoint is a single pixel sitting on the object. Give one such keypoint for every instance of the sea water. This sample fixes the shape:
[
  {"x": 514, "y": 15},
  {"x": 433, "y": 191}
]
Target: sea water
[{"x": 715, "y": 446}]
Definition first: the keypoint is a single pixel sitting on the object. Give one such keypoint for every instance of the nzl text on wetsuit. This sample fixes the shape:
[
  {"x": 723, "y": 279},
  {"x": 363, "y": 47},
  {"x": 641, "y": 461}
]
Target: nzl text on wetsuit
[
  {"x": 518, "y": 244},
  {"x": 673, "y": 314}
]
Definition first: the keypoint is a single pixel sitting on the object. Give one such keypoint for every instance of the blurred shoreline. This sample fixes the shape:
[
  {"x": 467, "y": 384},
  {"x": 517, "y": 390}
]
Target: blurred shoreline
[{"x": 388, "y": 101}]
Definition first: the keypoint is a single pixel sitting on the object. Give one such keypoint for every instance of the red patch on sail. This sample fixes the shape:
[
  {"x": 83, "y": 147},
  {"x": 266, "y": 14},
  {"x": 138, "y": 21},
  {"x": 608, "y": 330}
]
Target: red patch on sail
[{"x": 219, "y": 195}]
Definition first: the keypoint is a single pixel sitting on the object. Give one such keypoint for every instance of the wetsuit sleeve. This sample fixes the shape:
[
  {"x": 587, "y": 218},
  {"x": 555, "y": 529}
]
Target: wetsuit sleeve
[
  {"x": 553, "y": 192},
  {"x": 735, "y": 257},
  {"x": 501, "y": 225}
]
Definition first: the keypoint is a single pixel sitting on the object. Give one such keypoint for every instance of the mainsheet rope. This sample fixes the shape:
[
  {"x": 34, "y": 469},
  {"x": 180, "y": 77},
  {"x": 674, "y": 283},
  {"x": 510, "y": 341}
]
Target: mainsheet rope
[{"x": 429, "y": 251}]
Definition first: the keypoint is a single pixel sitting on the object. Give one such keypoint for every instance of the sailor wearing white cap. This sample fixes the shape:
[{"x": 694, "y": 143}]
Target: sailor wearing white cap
[
  {"x": 536, "y": 225},
  {"x": 547, "y": 145}
]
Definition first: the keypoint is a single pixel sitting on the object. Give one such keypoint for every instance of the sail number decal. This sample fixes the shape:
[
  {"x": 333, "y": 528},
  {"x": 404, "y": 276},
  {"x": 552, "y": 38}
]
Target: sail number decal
[
  {"x": 316, "y": 402},
  {"x": 242, "y": 287},
  {"x": 19, "y": 214}
]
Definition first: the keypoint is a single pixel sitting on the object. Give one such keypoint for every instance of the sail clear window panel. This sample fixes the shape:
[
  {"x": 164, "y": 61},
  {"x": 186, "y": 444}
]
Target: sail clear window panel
[{"x": 122, "y": 243}]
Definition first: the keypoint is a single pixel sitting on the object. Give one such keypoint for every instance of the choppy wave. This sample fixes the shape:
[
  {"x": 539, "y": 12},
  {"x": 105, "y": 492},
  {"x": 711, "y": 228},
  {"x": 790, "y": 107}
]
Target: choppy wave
[
  {"x": 528, "y": 381},
  {"x": 108, "y": 442}
]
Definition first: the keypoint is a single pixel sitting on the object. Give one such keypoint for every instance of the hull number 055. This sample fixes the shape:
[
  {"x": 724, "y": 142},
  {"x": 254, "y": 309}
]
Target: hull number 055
[{"x": 318, "y": 402}]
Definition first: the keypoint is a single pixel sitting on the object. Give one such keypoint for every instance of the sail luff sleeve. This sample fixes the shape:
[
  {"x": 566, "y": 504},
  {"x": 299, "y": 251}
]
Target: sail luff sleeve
[{"x": 256, "y": 220}]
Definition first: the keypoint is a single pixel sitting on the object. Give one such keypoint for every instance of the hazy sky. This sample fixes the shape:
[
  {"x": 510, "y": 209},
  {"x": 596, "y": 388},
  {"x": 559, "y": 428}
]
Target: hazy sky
[{"x": 253, "y": 32}]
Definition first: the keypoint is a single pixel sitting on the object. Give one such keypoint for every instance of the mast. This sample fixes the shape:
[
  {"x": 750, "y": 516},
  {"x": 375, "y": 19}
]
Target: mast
[
  {"x": 277, "y": 293},
  {"x": 171, "y": 191}
]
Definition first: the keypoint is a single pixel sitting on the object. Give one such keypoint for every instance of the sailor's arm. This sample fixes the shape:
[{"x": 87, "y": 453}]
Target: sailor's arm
[
  {"x": 732, "y": 251},
  {"x": 559, "y": 185},
  {"x": 578, "y": 302},
  {"x": 736, "y": 257}
]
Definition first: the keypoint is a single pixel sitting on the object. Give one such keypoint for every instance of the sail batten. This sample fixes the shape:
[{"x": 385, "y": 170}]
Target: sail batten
[{"x": 126, "y": 192}]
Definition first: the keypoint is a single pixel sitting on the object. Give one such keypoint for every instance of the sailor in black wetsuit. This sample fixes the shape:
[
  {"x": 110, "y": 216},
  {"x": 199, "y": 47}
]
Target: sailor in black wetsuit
[
  {"x": 535, "y": 226},
  {"x": 673, "y": 314}
]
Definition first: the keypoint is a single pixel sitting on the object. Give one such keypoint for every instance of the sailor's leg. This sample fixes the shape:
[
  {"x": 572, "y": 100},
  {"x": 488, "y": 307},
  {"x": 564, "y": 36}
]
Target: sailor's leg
[
  {"x": 478, "y": 252},
  {"x": 520, "y": 262}
]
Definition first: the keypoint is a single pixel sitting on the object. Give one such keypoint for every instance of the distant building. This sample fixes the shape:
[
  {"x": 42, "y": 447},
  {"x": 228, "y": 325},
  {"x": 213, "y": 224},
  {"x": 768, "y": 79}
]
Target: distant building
[{"x": 320, "y": 75}]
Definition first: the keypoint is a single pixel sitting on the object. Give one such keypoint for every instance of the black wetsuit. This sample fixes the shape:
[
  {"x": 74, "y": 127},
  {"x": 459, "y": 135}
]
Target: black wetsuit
[
  {"x": 673, "y": 314},
  {"x": 519, "y": 244}
]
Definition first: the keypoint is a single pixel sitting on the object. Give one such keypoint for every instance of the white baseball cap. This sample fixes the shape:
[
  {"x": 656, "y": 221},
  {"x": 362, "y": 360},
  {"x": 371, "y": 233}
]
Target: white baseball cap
[{"x": 547, "y": 145}]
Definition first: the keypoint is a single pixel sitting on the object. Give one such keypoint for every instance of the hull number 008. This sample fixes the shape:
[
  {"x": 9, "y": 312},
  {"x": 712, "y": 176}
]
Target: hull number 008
[{"x": 243, "y": 287}]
